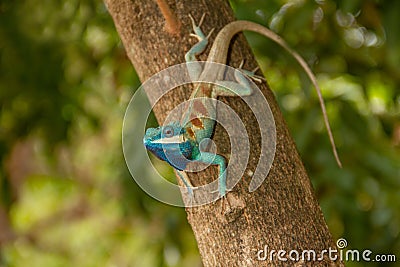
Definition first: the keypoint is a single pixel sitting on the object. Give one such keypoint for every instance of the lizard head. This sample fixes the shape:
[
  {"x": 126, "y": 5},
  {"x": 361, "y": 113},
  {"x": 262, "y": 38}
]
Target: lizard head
[{"x": 169, "y": 144}]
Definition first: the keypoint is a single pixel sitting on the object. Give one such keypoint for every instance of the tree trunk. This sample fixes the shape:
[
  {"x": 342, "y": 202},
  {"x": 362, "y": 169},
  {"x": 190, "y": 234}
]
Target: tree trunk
[{"x": 283, "y": 213}]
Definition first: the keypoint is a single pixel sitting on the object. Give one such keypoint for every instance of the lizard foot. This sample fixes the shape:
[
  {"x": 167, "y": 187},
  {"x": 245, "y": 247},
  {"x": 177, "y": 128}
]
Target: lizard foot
[
  {"x": 198, "y": 33},
  {"x": 251, "y": 74}
]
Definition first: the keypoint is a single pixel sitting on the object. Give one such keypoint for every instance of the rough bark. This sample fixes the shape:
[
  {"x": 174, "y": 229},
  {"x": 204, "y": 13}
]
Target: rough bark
[{"x": 283, "y": 213}]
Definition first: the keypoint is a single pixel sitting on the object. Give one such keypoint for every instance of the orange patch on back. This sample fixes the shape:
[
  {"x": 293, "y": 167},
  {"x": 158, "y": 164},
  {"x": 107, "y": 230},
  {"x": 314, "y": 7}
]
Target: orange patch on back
[
  {"x": 190, "y": 132},
  {"x": 197, "y": 122}
]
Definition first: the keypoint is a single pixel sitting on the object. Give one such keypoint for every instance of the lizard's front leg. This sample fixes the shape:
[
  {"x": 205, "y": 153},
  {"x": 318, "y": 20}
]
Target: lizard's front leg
[
  {"x": 215, "y": 159},
  {"x": 190, "y": 57}
]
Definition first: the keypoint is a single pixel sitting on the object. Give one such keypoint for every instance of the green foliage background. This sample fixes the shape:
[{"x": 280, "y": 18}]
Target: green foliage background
[{"x": 66, "y": 196}]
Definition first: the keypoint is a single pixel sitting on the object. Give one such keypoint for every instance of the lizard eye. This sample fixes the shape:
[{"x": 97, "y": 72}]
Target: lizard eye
[{"x": 168, "y": 131}]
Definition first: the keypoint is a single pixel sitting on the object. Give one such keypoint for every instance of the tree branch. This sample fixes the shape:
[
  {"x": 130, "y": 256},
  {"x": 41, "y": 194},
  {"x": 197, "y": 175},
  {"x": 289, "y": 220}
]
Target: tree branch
[{"x": 283, "y": 213}]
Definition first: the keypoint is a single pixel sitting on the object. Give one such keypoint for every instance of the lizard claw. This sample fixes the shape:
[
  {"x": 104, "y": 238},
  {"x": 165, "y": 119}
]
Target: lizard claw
[
  {"x": 202, "y": 19},
  {"x": 209, "y": 34},
  {"x": 194, "y": 23},
  {"x": 241, "y": 64},
  {"x": 192, "y": 19}
]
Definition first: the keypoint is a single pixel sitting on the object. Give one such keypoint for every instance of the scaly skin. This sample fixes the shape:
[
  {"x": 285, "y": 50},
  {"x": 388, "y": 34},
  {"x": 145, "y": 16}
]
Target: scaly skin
[{"x": 178, "y": 143}]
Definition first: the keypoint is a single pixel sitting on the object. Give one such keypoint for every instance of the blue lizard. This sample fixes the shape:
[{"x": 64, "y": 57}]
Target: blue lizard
[{"x": 178, "y": 143}]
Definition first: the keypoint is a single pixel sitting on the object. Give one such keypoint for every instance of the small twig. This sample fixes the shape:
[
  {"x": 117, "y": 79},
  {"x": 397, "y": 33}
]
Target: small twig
[{"x": 172, "y": 24}]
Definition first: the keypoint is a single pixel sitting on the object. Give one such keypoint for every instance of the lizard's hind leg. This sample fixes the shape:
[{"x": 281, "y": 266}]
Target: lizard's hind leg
[
  {"x": 240, "y": 87},
  {"x": 250, "y": 74}
]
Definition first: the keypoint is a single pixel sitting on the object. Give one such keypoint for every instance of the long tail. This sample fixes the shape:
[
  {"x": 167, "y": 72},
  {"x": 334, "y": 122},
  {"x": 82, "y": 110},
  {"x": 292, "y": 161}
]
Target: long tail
[{"x": 219, "y": 50}]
